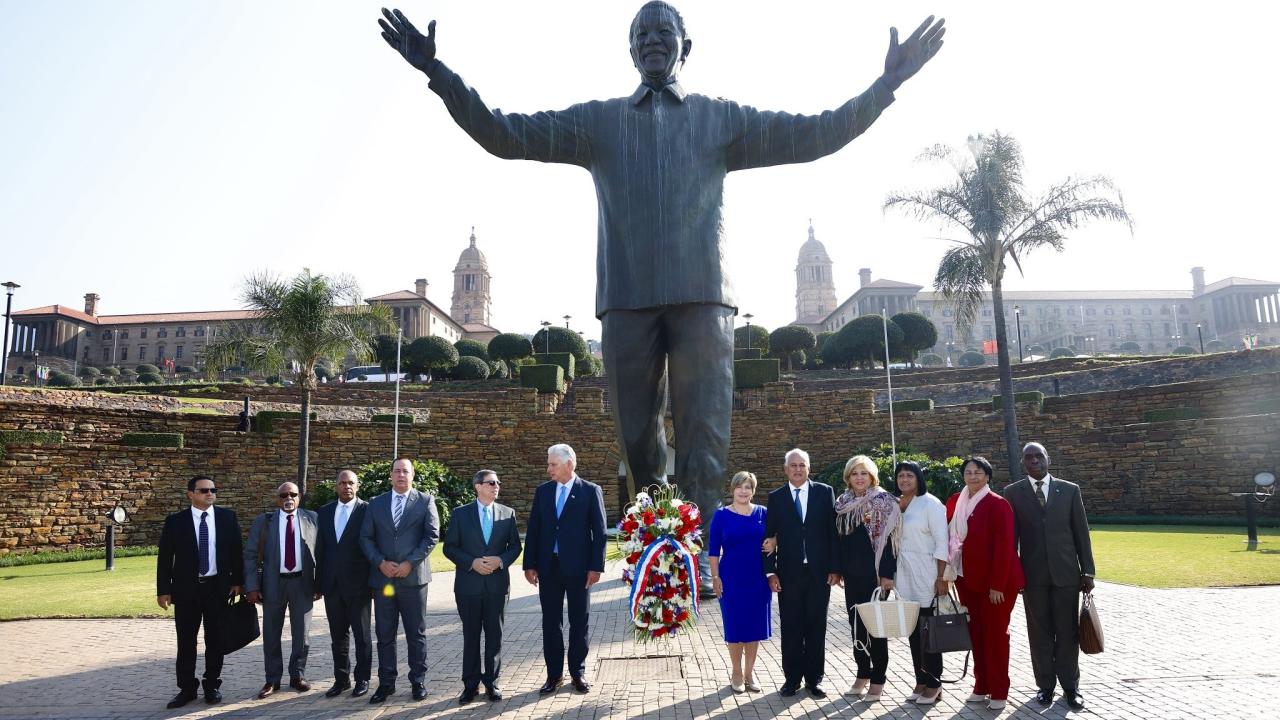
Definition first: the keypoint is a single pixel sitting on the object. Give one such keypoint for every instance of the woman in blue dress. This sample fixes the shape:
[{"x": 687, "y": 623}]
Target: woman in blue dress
[{"x": 737, "y": 574}]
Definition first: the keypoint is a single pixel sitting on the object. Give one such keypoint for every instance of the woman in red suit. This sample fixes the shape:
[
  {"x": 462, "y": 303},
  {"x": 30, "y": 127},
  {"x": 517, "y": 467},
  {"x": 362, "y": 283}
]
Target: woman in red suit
[{"x": 988, "y": 576}]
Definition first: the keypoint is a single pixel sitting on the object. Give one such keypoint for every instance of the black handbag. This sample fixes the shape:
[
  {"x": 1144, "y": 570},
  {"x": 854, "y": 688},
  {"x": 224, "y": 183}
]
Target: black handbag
[
  {"x": 239, "y": 625},
  {"x": 945, "y": 632}
]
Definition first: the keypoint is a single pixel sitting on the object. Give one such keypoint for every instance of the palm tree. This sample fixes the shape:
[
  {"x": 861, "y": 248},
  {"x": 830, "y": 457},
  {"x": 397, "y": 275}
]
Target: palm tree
[
  {"x": 988, "y": 202},
  {"x": 303, "y": 321}
]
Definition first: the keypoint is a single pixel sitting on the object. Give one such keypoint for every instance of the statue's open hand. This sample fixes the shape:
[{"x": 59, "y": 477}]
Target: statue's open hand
[
  {"x": 905, "y": 59},
  {"x": 418, "y": 49}
]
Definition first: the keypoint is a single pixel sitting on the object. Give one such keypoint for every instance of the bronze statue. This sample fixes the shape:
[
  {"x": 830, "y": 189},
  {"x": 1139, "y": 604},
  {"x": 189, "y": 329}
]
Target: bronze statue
[{"x": 659, "y": 158}]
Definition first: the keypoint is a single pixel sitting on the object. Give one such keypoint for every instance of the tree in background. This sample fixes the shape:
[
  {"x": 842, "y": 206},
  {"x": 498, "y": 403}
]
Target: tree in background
[
  {"x": 384, "y": 351},
  {"x": 918, "y": 333},
  {"x": 786, "y": 340},
  {"x": 861, "y": 341},
  {"x": 759, "y": 338},
  {"x": 563, "y": 340},
  {"x": 472, "y": 348},
  {"x": 303, "y": 321},
  {"x": 510, "y": 348},
  {"x": 989, "y": 204},
  {"x": 426, "y": 354}
]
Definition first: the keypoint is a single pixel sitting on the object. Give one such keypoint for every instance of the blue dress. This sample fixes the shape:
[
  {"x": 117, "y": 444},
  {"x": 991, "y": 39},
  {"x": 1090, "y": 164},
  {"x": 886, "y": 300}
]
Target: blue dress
[{"x": 746, "y": 603}]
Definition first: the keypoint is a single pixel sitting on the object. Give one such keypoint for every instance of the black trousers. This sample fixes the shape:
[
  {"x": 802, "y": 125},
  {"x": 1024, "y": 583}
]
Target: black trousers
[
  {"x": 482, "y": 614},
  {"x": 873, "y": 662},
  {"x": 348, "y": 618},
  {"x": 553, "y": 589},
  {"x": 928, "y": 666},
  {"x": 1053, "y": 630},
  {"x": 802, "y": 607},
  {"x": 205, "y": 607}
]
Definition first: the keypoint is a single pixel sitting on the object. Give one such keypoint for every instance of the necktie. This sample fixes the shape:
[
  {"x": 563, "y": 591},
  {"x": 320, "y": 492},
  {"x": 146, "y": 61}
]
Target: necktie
[
  {"x": 290, "y": 558},
  {"x": 564, "y": 495},
  {"x": 204, "y": 544},
  {"x": 799, "y": 508},
  {"x": 341, "y": 523},
  {"x": 397, "y": 510},
  {"x": 486, "y": 523},
  {"x": 1040, "y": 492}
]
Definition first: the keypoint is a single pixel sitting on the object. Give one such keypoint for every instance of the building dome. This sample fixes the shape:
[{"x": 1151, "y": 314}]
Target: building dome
[
  {"x": 813, "y": 251},
  {"x": 472, "y": 257}
]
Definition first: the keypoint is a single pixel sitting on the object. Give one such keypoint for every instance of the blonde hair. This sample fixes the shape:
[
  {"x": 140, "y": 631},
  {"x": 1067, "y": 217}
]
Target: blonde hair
[
  {"x": 742, "y": 478},
  {"x": 862, "y": 461}
]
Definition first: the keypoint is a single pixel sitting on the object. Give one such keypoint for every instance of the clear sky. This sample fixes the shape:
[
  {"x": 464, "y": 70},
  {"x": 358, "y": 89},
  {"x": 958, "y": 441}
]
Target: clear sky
[{"x": 158, "y": 152}]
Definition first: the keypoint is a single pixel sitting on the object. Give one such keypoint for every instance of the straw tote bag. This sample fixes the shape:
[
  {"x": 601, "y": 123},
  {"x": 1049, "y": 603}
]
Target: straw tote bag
[{"x": 886, "y": 618}]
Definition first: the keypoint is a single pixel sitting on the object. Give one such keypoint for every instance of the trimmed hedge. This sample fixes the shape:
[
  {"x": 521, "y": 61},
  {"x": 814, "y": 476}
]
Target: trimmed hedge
[
  {"x": 391, "y": 418},
  {"x": 918, "y": 405},
  {"x": 1035, "y": 396},
  {"x": 1167, "y": 414},
  {"x": 152, "y": 439},
  {"x": 754, "y": 353},
  {"x": 564, "y": 360},
  {"x": 29, "y": 437},
  {"x": 755, "y": 373},
  {"x": 543, "y": 378},
  {"x": 265, "y": 420}
]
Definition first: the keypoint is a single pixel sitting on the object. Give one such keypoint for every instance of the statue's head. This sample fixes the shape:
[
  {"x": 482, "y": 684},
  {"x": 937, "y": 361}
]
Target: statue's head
[{"x": 659, "y": 44}]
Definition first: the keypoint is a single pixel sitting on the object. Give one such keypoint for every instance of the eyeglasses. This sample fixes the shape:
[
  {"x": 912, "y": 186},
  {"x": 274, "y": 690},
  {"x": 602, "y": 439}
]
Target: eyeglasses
[
  {"x": 206, "y": 491},
  {"x": 494, "y": 483},
  {"x": 288, "y": 495}
]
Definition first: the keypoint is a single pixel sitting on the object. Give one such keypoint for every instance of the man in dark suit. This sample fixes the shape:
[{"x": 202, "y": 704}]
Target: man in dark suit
[
  {"x": 1057, "y": 559},
  {"x": 399, "y": 530},
  {"x": 564, "y": 557},
  {"x": 280, "y": 573},
  {"x": 482, "y": 540},
  {"x": 199, "y": 566},
  {"x": 344, "y": 582},
  {"x": 803, "y": 567}
]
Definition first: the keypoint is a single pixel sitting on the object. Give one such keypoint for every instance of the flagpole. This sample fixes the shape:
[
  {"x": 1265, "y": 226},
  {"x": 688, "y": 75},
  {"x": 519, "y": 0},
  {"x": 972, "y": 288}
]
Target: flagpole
[
  {"x": 395, "y": 448},
  {"x": 893, "y": 436}
]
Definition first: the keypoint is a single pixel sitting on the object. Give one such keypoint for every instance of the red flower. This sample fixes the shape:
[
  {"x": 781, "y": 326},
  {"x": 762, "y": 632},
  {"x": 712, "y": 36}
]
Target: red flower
[
  {"x": 660, "y": 632},
  {"x": 682, "y": 616},
  {"x": 647, "y": 517},
  {"x": 629, "y": 525},
  {"x": 662, "y": 512},
  {"x": 668, "y": 617},
  {"x": 633, "y": 558}
]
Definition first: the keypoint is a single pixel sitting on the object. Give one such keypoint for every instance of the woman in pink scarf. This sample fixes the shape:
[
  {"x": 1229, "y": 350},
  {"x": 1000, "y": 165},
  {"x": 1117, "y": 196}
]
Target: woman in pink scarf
[{"x": 984, "y": 564}]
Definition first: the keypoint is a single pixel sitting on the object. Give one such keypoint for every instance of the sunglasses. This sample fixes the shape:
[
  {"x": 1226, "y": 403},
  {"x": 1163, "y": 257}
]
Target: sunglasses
[
  {"x": 288, "y": 495},
  {"x": 494, "y": 483},
  {"x": 207, "y": 491}
]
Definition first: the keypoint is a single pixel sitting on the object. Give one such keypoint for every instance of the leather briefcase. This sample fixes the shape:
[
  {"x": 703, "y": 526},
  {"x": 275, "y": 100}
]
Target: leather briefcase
[
  {"x": 1091, "y": 642},
  {"x": 239, "y": 625}
]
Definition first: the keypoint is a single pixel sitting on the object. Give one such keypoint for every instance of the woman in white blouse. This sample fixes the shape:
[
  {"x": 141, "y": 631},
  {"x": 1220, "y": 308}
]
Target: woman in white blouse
[{"x": 922, "y": 558}]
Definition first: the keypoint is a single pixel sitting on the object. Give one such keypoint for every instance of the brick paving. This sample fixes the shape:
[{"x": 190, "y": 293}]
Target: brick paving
[{"x": 1160, "y": 663}]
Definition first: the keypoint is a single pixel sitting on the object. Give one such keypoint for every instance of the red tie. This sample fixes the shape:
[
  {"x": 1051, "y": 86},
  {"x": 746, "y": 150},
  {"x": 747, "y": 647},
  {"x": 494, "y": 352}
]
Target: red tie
[{"x": 290, "y": 560}]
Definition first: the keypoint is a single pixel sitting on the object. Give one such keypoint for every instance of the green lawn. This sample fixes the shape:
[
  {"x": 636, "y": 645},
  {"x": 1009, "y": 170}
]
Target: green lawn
[
  {"x": 84, "y": 590},
  {"x": 1167, "y": 556}
]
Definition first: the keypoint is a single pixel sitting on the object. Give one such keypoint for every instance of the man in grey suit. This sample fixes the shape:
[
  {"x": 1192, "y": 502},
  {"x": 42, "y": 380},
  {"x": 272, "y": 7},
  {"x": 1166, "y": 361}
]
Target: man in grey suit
[
  {"x": 1057, "y": 559},
  {"x": 344, "y": 582},
  {"x": 482, "y": 540},
  {"x": 280, "y": 573},
  {"x": 399, "y": 530}
]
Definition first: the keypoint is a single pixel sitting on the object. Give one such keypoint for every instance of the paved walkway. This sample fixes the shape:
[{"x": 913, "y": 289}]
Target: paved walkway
[{"x": 1171, "y": 654}]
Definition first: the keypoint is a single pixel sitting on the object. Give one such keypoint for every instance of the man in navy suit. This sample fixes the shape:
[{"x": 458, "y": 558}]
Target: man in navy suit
[
  {"x": 199, "y": 566},
  {"x": 564, "y": 556},
  {"x": 344, "y": 580},
  {"x": 802, "y": 518}
]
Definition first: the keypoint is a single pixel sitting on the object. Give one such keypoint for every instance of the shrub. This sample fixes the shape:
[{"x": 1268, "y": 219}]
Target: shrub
[
  {"x": 429, "y": 476},
  {"x": 272, "y": 380},
  {"x": 1184, "y": 350},
  {"x": 563, "y": 340},
  {"x": 499, "y": 369},
  {"x": 111, "y": 371},
  {"x": 509, "y": 346},
  {"x": 942, "y": 477},
  {"x": 1035, "y": 396},
  {"x": 591, "y": 366},
  {"x": 472, "y": 348},
  {"x": 789, "y": 339},
  {"x": 102, "y": 381},
  {"x": 972, "y": 359},
  {"x": 543, "y": 378},
  {"x": 1168, "y": 414},
  {"x": 187, "y": 369},
  {"x": 471, "y": 368},
  {"x": 565, "y": 360},
  {"x": 390, "y": 418},
  {"x": 755, "y": 373},
  {"x": 145, "y": 368},
  {"x": 931, "y": 360},
  {"x": 1130, "y": 348},
  {"x": 913, "y": 405},
  {"x": 152, "y": 439},
  {"x": 89, "y": 372},
  {"x": 426, "y": 354},
  {"x": 28, "y": 437},
  {"x": 821, "y": 340},
  {"x": 1215, "y": 346},
  {"x": 747, "y": 353},
  {"x": 1036, "y": 350},
  {"x": 861, "y": 341},
  {"x": 1061, "y": 352},
  {"x": 61, "y": 379},
  {"x": 759, "y": 337},
  {"x": 264, "y": 421},
  {"x": 150, "y": 378},
  {"x": 918, "y": 333}
]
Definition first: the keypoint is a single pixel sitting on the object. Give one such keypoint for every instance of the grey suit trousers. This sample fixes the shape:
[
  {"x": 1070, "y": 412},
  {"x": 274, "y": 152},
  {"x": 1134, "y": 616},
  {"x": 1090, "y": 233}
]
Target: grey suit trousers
[
  {"x": 1053, "y": 631},
  {"x": 408, "y": 605},
  {"x": 296, "y": 598}
]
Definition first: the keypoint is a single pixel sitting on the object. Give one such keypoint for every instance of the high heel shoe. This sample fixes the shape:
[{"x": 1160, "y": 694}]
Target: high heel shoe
[
  {"x": 926, "y": 699},
  {"x": 976, "y": 698},
  {"x": 751, "y": 685},
  {"x": 873, "y": 693},
  {"x": 859, "y": 687},
  {"x": 736, "y": 683},
  {"x": 915, "y": 693}
]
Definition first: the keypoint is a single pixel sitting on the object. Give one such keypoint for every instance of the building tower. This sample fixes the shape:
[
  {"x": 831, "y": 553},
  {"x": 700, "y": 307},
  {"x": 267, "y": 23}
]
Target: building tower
[
  {"x": 471, "y": 286},
  {"x": 815, "y": 287}
]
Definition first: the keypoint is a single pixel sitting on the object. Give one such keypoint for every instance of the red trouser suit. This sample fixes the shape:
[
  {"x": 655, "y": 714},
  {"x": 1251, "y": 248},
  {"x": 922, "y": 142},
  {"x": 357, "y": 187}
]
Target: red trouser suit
[{"x": 990, "y": 563}]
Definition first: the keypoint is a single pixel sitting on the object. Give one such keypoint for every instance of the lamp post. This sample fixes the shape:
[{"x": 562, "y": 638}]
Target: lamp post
[
  {"x": 566, "y": 321},
  {"x": 1090, "y": 339},
  {"x": 1017, "y": 319},
  {"x": 1200, "y": 336},
  {"x": 9, "y": 287},
  {"x": 748, "y": 317},
  {"x": 546, "y": 328}
]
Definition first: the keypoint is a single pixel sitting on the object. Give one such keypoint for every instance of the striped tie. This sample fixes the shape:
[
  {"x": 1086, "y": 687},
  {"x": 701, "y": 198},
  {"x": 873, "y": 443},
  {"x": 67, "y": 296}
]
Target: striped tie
[{"x": 397, "y": 510}]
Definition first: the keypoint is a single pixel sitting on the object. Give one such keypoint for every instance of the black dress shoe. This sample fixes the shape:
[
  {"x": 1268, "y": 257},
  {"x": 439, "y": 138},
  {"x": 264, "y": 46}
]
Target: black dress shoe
[
  {"x": 268, "y": 690},
  {"x": 1044, "y": 697},
  {"x": 181, "y": 699},
  {"x": 300, "y": 684},
  {"x": 581, "y": 685},
  {"x": 495, "y": 693},
  {"x": 788, "y": 690},
  {"x": 362, "y": 687},
  {"x": 419, "y": 691},
  {"x": 551, "y": 685},
  {"x": 213, "y": 696},
  {"x": 817, "y": 691},
  {"x": 468, "y": 694},
  {"x": 338, "y": 688},
  {"x": 1075, "y": 700},
  {"x": 384, "y": 691}
]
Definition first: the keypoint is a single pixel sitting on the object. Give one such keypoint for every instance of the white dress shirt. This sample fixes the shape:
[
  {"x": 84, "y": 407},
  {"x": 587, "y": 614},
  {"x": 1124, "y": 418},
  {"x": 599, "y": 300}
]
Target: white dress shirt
[
  {"x": 1044, "y": 489},
  {"x": 338, "y": 529},
  {"x": 804, "y": 497},
  {"x": 297, "y": 540},
  {"x": 213, "y": 538}
]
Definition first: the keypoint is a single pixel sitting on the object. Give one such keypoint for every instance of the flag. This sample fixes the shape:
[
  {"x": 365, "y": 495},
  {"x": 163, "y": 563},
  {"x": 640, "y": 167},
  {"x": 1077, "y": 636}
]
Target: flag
[{"x": 988, "y": 347}]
